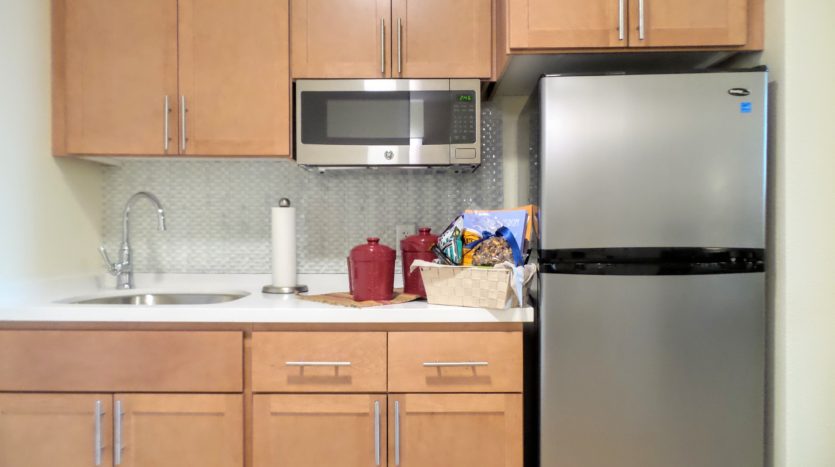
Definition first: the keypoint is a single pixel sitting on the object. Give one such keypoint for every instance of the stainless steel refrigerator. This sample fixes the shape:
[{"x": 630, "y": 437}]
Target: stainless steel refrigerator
[{"x": 652, "y": 313}]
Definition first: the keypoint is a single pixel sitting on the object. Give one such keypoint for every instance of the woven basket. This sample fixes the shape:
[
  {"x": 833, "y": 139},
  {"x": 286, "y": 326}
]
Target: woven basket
[{"x": 467, "y": 286}]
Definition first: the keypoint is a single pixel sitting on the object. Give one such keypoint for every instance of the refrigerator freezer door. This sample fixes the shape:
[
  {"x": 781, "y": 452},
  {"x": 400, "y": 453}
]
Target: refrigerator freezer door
[
  {"x": 653, "y": 161},
  {"x": 652, "y": 371}
]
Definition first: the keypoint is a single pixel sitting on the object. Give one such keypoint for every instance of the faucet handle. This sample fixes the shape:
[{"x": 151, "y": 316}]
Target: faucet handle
[{"x": 112, "y": 267}]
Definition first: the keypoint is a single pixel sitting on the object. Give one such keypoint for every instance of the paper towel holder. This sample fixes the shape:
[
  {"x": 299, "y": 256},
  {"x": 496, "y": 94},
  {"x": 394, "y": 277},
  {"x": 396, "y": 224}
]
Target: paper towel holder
[
  {"x": 272, "y": 289},
  {"x": 284, "y": 290}
]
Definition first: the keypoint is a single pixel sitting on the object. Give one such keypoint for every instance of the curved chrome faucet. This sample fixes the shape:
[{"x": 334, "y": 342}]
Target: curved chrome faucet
[{"x": 123, "y": 269}]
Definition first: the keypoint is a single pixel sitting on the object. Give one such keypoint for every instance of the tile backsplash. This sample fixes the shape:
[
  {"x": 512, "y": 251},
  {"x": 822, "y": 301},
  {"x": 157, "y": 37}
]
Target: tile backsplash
[{"x": 218, "y": 211}]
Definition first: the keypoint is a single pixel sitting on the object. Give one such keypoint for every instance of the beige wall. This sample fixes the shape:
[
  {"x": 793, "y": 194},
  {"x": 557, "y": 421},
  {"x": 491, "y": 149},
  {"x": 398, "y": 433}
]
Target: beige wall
[
  {"x": 805, "y": 332},
  {"x": 513, "y": 155},
  {"x": 49, "y": 210},
  {"x": 798, "y": 50}
]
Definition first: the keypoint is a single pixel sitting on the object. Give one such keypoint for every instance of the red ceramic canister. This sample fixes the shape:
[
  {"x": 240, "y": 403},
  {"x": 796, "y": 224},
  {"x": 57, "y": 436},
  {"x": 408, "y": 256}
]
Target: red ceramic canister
[
  {"x": 416, "y": 247},
  {"x": 371, "y": 271}
]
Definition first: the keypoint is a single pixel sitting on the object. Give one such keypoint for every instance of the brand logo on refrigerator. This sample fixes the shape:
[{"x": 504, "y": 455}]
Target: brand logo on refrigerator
[{"x": 739, "y": 92}]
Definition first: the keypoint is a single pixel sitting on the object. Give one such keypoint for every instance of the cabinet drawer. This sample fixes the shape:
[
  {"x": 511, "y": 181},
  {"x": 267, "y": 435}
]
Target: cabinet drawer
[
  {"x": 128, "y": 361},
  {"x": 455, "y": 362},
  {"x": 319, "y": 362}
]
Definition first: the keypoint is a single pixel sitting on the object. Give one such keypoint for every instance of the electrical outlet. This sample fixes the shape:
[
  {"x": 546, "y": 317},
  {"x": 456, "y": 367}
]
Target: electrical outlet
[{"x": 402, "y": 231}]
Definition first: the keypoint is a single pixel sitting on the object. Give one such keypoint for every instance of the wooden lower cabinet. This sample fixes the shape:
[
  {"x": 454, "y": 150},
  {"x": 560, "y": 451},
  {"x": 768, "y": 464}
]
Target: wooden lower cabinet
[
  {"x": 49, "y": 430},
  {"x": 455, "y": 430},
  {"x": 175, "y": 430},
  {"x": 338, "y": 430}
]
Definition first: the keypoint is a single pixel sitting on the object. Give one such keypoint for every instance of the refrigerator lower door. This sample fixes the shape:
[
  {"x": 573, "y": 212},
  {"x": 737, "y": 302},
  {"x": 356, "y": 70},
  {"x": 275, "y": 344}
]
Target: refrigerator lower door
[{"x": 652, "y": 371}]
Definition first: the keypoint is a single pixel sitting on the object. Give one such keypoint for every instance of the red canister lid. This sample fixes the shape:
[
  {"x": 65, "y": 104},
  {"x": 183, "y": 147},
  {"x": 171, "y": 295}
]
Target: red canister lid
[
  {"x": 421, "y": 242},
  {"x": 372, "y": 251}
]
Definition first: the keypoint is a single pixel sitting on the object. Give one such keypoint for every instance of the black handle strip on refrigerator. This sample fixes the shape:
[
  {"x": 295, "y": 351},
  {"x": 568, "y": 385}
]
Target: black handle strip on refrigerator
[{"x": 652, "y": 261}]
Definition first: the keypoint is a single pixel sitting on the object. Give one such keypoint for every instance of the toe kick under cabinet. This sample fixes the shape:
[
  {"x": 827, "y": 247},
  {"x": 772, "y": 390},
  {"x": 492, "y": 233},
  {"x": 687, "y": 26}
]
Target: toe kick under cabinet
[{"x": 239, "y": 396}]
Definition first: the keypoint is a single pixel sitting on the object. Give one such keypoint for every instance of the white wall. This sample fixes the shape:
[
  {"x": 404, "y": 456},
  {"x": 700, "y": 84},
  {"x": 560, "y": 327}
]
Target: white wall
[
  {"x": 805, "y": 326},
  {"x": 49, "y": 209},
  {"x": 512, "y": 154},
  {"x": 798, "y": 51}
]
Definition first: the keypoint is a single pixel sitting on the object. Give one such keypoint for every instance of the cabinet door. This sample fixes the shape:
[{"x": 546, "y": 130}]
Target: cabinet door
[
  {"x": 455, "y": 430},
  {"x": 234, "y": 77},
  {"x": 318, "y": 430},
  {"x": 120, "y": 63},
  {"x": 340, "y": 38},
  {"x": 168, "y": 430},
  {"x": 441, "y": 38},
  {"x": 47, "y": 430},
  {"x": 562, "y": 24},
  {"x": 672, "y": 23}
]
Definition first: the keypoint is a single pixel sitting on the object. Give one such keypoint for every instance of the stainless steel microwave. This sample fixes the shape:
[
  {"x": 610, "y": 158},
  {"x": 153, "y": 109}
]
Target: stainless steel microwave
[{"x": 388, "y": 122}]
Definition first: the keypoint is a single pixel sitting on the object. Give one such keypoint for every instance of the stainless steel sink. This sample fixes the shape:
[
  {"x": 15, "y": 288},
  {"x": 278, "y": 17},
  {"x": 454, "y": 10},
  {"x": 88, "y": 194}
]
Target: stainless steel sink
[{"x": 149, "y": 299}]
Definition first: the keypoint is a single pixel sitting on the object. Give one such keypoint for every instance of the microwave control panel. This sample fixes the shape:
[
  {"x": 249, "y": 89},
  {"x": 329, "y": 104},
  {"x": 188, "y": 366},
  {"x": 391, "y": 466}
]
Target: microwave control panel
[{"x": 463, "y": 117}]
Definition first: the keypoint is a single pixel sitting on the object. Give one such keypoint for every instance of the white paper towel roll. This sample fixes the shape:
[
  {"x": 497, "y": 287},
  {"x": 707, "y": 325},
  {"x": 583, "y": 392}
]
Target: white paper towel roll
[{"x": 284, "y": 246}]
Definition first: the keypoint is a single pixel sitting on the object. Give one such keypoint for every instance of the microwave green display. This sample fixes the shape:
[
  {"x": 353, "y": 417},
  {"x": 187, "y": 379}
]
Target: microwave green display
[{"x": 465, "y": 98}]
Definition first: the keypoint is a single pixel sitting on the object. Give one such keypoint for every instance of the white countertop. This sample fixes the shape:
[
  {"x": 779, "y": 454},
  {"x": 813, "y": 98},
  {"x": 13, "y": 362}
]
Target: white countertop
[{"x": 40, "y": 301}]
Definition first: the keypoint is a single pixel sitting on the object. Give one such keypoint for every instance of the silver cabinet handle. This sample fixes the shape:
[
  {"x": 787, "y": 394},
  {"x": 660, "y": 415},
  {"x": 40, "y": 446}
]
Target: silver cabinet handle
[
  {"x": 399, "y": 46},
  {"x": 117, "y": 433},
  {"x": 620, "y": 20},
  {"x": 443, "y": 364},
  {"x": 97, "y": 441},
  {"x": 396, "y": 432},
  {"x": 183, "y": 110},
  {"x": 317, "y": 363},
  {"x": 382, "y": 46},
  {"x": 166, "y": 109},
  {"x": 376, "y": 432},
  {"x": 641, "y": 19}
]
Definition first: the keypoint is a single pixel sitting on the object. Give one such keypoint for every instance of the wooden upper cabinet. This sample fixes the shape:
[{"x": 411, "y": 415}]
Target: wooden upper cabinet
[
  {"x": 115, "y": 63},
  {"x": 441, "y": 38},
  {"x": 568, "y": 24},
  {"x": 45, "y": 430},
  {"x": 682, "y": 23},
  {"x": 455, "y": 430},
  {"x": 319, "y": 430},
  {"x": 175, "y": 430},
  {"x": 234, "y": 76},
  {"x": 340, "y": 38}
]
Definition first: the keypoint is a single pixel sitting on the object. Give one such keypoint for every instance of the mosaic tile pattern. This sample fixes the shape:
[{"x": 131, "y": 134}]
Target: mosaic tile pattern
[{"x": 218, "y": 211}]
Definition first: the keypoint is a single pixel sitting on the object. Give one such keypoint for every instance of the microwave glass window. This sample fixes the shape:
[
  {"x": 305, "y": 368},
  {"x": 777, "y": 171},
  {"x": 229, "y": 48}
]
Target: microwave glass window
[
  {"x": 400, "y": 118},
  {"x": 367, "y": 119}
]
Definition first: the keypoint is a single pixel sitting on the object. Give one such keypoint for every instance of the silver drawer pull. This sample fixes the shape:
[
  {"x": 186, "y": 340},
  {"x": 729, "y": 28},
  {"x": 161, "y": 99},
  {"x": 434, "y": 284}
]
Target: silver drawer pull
[
  {"x": 183, "y": 129},
  {"x": 396, "y": 433},
  {"x": 166, "y": 137},
  {"x": 376, "y": 432},
  {"x": 317, "y": 363},
  {"x": 117, "y": 433},
  {"x": 382, "y": 46},
  {"x": 99, "y": 446},
  {"x": 443, "y": 364},
  {"x": 641, "y": 35}
]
